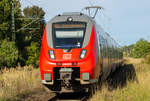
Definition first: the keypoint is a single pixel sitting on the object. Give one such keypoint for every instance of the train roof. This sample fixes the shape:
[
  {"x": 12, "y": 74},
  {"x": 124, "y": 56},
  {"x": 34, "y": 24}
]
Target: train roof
[{"x": 77, "y": 17}]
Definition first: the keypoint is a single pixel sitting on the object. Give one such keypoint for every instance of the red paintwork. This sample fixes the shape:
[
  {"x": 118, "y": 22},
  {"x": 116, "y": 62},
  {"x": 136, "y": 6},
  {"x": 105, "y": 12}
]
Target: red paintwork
[{"x": 86, "y": 65}]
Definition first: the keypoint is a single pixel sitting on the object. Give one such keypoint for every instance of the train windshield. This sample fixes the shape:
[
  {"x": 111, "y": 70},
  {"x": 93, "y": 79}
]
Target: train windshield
[{"x": 68, "y": 35}]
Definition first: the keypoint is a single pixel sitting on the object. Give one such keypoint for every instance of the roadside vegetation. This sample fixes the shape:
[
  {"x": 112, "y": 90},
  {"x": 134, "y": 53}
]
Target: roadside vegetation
[
  {"x": 141, "y": 49},
  {"x": 24, "y": 51},
  {"x": 137, "y": 60},
  {"x": 23, "y": 46},
  {"x": 19, "y": 82},
  {"x": 134, "y": 90},
  {"x": 20, "y": 48}
]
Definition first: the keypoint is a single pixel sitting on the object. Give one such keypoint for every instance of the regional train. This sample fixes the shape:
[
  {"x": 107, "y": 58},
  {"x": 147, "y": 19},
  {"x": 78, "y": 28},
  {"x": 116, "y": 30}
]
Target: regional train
[{"x": 76, "y": 53}]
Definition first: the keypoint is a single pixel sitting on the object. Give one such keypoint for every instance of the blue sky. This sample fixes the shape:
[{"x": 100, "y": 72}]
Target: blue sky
[{"x": 126, "y": 20}]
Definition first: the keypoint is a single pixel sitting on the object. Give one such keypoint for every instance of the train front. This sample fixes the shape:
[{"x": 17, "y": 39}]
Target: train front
[{"x": 69, "y": 53}]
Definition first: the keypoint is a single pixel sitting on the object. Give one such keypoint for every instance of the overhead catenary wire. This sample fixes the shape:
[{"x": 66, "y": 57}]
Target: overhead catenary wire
[
  {"x": 104, "y": 20},
  {"x": 90, "y": 3},
  {"x": 99, "y": 17},
  {"x": 47, "y": 13},
  {"x": 33, "y": 20}
]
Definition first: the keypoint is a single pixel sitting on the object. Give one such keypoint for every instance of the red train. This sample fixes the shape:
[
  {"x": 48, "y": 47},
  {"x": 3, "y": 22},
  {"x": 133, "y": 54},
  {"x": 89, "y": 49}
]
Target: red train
[{"x": 76, "y": 53}]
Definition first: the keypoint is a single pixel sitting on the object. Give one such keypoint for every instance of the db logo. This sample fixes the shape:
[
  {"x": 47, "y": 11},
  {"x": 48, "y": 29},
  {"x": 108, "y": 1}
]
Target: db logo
[{"x": 67, "y": 56}]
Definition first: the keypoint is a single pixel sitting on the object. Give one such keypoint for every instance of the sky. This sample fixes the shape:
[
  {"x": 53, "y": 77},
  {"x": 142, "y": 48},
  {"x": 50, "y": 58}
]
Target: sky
[{"x": 125, "y": 20}]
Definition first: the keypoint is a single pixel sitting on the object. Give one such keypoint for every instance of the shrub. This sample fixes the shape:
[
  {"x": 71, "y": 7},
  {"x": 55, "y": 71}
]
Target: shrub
[
  {"x": 33, "y": 54},
  {"x": 8, "y": 53},
  {"x": 141, "y": 49}
]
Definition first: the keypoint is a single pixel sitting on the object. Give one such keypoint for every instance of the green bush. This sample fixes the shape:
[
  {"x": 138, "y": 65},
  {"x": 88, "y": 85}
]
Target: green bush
[
  {"x": 140, "y": 49},
  {"x": 8, "y": 53},
  {"x": 33, "y": 54}
]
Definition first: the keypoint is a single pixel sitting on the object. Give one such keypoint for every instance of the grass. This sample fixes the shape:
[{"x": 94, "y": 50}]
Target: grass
[
  {"x": 133, "y": 91},
  {"x": 17, "y": 82}
]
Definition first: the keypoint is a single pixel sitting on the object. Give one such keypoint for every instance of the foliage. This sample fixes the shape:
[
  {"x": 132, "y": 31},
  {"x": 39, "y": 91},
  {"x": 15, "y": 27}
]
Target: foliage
[
  {"x": 141, "y": 48},
  {"x": 33, "y": 54},
  {"x": 8, "y": 53},
  {"x": 33, "y": 12},
  {"x": 5, "y": 17},
  {"x": 33, "y": 37},
  {"x": 132, "y": 91},
  {"x": 28, "y": 41},
  {"x": 37, "y": 14},
  {"x": 127, "y": 49}
]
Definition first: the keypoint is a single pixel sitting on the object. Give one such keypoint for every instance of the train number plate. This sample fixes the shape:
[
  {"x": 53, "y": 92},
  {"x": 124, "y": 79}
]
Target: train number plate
[{"x": 67, "y": 56}]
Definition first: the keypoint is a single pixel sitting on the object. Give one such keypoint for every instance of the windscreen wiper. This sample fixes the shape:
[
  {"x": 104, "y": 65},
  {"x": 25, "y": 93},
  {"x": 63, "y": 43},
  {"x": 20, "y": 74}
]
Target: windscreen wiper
[{"x": 69, "y": 49}]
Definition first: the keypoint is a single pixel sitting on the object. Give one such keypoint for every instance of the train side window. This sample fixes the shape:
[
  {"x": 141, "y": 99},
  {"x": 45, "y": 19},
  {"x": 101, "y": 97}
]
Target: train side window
[{"x": 101, "y": 45}]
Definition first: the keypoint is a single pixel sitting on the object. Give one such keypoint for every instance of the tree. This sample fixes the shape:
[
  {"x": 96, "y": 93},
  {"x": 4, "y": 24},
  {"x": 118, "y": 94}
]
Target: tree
[
  {"x": 33, "y": 54},
  {"x": 8, "y": 53},
  {"x": 127, "y": 49},
  {"x": 141, "y": 49},
  {"x": 33, "y": 38},
  {"x": 26, "y": 48},
  {"x": 9, "y": 50},
  {"x": 33, "y": 12},
  {"x": 5, "y": 17},
  {"x": 37, "y": 13}
]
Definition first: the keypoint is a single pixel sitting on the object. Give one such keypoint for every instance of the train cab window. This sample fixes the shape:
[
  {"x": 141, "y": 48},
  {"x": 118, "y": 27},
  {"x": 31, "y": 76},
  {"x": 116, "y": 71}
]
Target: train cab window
[{"x": 68, "y": 35}]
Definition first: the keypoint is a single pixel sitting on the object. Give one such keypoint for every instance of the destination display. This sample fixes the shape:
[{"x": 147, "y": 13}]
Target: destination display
[{"x": 81, "y": 25}]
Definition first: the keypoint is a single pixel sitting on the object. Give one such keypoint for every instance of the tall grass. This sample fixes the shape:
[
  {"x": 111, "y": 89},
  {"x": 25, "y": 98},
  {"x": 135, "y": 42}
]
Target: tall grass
[
  {"x": 133, "y": 91},
  {"x": 18, "y": 81}
]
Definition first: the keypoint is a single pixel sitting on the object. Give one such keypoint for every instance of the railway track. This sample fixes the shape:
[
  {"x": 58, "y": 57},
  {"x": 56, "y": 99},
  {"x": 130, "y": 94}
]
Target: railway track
[
  {"x": 70, "y": 97},
  {"x": 44, "y": 95}
]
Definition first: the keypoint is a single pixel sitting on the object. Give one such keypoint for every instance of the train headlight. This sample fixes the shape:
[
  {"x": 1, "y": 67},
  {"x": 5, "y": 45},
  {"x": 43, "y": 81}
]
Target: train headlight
[
  {"x": 83, "y": 53},
  {"x": 85, "y": 76},
  {"x": 51, "y": 54},
  {"x": 70, "y": 19},
  {"x": 47, "y": 77}
]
